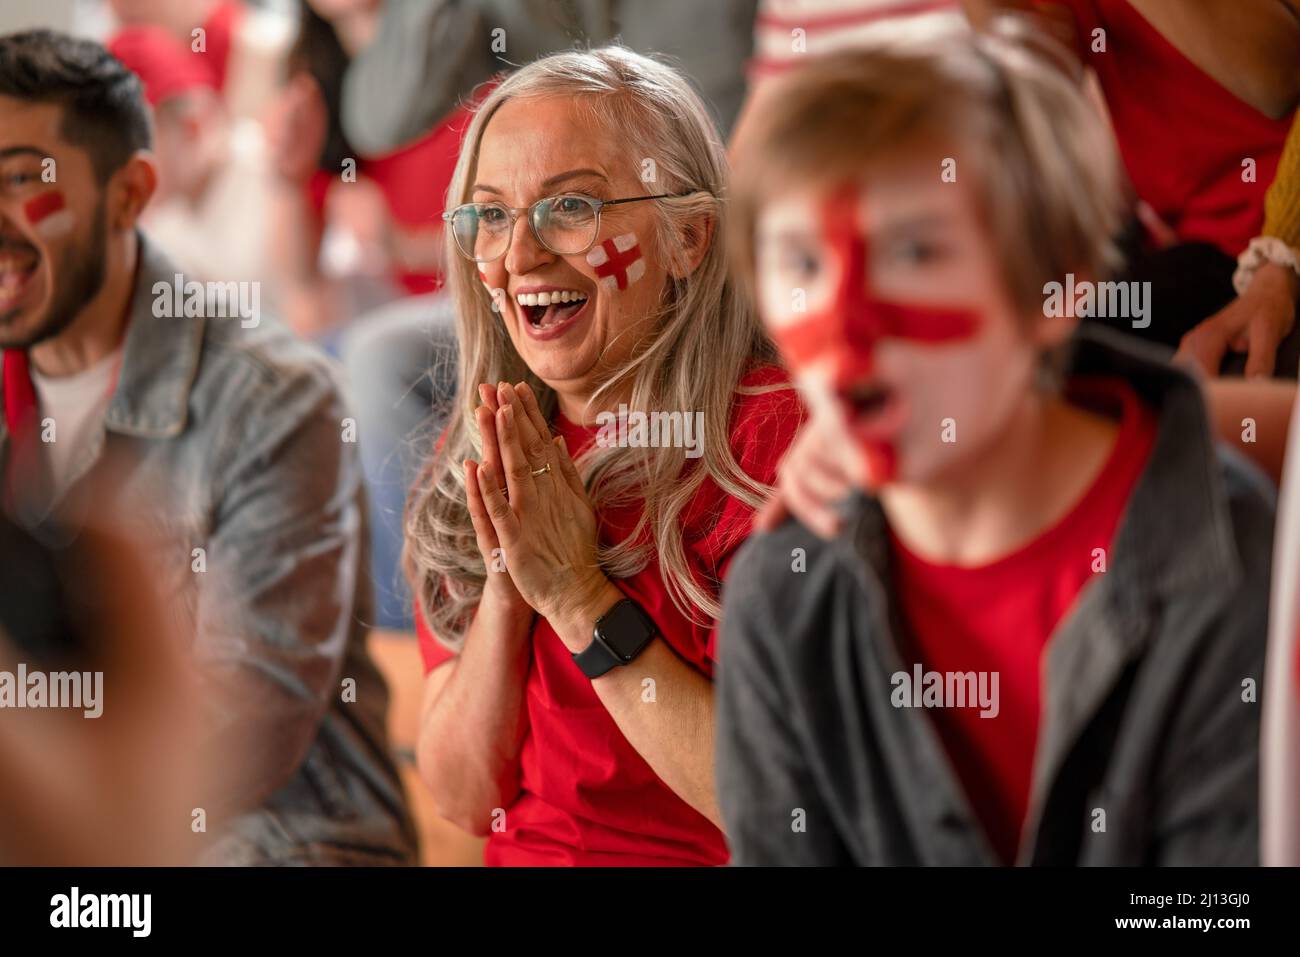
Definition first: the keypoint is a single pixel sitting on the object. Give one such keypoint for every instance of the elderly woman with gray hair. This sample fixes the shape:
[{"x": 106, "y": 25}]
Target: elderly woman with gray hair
[{"x": 619, "y": 417}]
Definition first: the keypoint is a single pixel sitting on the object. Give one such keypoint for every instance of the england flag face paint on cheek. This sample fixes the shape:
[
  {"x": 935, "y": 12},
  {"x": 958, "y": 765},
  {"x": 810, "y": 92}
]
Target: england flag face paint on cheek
[
  {"x": 836, "y": 339},
  {"x": 617, "y": 261},
  {"x": 49, "y": 215}
]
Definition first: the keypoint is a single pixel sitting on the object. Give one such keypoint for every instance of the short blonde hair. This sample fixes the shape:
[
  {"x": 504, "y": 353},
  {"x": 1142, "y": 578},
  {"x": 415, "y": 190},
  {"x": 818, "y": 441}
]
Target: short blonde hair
[{"x": 1052, "y": 185}]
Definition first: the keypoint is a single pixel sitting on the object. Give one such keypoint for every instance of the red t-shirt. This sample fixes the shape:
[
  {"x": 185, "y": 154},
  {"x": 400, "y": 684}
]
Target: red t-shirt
[
  {"x": 998, "y": 618},
  {"x": 1182, "y": 135},
  {"x": 588, "y": 797}
]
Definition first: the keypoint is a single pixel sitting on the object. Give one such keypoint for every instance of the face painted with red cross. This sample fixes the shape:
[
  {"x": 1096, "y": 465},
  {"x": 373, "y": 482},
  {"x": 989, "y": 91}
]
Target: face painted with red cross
[
  {"x": 890, "y": 308},
  {"x": 572, "y": 317}
]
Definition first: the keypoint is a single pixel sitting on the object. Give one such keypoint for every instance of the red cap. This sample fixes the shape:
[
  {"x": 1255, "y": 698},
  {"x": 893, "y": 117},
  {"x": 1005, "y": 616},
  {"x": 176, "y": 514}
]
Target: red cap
[{"x": 165, "y": 65}]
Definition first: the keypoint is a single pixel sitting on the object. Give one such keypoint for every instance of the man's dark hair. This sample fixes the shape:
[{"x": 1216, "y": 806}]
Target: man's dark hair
[{"x": 104, "y": 110}]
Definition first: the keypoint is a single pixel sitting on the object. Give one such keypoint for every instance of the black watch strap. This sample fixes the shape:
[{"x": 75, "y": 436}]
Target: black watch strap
[
  {"x": 618, "y": 637},
  {"x": 596, "y": 659}
]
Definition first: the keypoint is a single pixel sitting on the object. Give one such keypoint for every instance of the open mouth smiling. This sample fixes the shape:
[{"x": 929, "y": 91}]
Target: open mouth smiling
[
  {"x": 17, "y": 266},
  {"x": 549, "y": 312}
]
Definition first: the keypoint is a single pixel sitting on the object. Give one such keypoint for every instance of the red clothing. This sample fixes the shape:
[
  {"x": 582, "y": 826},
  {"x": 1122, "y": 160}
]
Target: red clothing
[
  {"x": 219, "y": 41},
  {"x": 167, "y": 68},
  {"x": 588, "y": 797},
  {"x": 20, "y": 409},
  {"x": 1182, "y": 136},
  {"x": 997, "y": 619},
  {"x": 414, "y": 180},
  {"x": 19, "y": 392}
]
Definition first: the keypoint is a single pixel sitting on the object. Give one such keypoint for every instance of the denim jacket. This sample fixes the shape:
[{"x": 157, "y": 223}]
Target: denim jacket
[
  {"x": 228, "y": 436},
  {"x": 1147, "y": 705}
]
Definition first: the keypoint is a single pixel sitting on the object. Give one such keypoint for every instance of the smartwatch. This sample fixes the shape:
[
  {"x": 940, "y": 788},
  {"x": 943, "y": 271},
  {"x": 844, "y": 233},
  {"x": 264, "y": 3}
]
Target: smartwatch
[{"x": 619, "y": 636}]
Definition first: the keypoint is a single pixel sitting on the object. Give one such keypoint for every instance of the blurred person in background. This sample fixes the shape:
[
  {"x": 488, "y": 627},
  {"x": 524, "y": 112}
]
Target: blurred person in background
[
  {"x": 1195, "y": 94},
  {"x": 217, "y": 438},
  {"x": 1200, "y": 97},
  {"x": 130, "y": 781},
  {"x": 243, "y": 43},
  {"x": 1259, "y": 324},
  {"x": 328, "y": 218},
  {"x": 212, "y": 209},
  {"x": 428, "y": 53},
  {"x": 378, "y": 215},
  {"x": 387, "y": 205},
  {"x": 791, "y": 33},
  {"x": 1031, "y": 638}
]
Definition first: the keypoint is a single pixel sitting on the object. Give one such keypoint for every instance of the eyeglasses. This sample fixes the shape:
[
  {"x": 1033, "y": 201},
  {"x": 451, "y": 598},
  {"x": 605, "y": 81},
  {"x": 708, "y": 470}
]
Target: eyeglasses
[{"x": 566, "y": 225}]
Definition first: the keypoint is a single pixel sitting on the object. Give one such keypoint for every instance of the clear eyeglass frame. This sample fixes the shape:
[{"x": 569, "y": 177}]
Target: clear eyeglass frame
[{"x": 536, "y": 212}]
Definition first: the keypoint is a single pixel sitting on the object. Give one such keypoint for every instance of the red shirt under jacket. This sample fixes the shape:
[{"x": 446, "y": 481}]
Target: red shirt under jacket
[{"x": 998, "y": 618}]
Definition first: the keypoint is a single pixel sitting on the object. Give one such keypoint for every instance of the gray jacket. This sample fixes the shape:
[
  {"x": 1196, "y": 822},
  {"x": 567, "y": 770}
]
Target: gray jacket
[
  {"x": 229, "y": 439},
  {"x": 430, "y": 54},
  {"x": 1143, "y": 714}
]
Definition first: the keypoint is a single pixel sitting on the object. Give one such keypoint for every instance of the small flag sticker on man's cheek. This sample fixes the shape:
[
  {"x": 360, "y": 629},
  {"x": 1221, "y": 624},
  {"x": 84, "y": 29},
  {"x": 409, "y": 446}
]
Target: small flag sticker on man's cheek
[
  {"x": 618, "y": 261},
  {"x": 49, "y": 215}
]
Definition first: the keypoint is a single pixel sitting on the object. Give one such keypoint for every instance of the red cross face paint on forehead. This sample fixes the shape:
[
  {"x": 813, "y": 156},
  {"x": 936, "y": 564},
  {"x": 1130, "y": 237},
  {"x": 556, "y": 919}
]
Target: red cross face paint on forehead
[
  {"x": 835, "y": 340},
  {"x": 843, "y": 330}
]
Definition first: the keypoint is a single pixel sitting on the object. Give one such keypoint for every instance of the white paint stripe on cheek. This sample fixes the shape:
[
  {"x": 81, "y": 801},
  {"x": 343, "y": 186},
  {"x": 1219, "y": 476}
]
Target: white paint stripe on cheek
[
  {"x": 597, "y": 256},
  {"x": 625, "y": 242},
  {"x": 56, "y": 225},
  {"x": 635, "y": 271}
]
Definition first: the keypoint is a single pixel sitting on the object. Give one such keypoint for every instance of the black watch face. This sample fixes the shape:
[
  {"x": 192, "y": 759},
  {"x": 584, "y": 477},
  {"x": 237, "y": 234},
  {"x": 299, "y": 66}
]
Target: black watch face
[{"x": 625, "y": 630}]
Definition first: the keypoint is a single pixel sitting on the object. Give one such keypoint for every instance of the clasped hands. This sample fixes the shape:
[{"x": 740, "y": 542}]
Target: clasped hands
[{"x": 533, "y": 521}]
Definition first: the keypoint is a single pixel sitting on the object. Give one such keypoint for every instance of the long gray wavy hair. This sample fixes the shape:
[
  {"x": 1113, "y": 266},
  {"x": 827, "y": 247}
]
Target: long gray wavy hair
[{"x": 707, "y": 337}]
